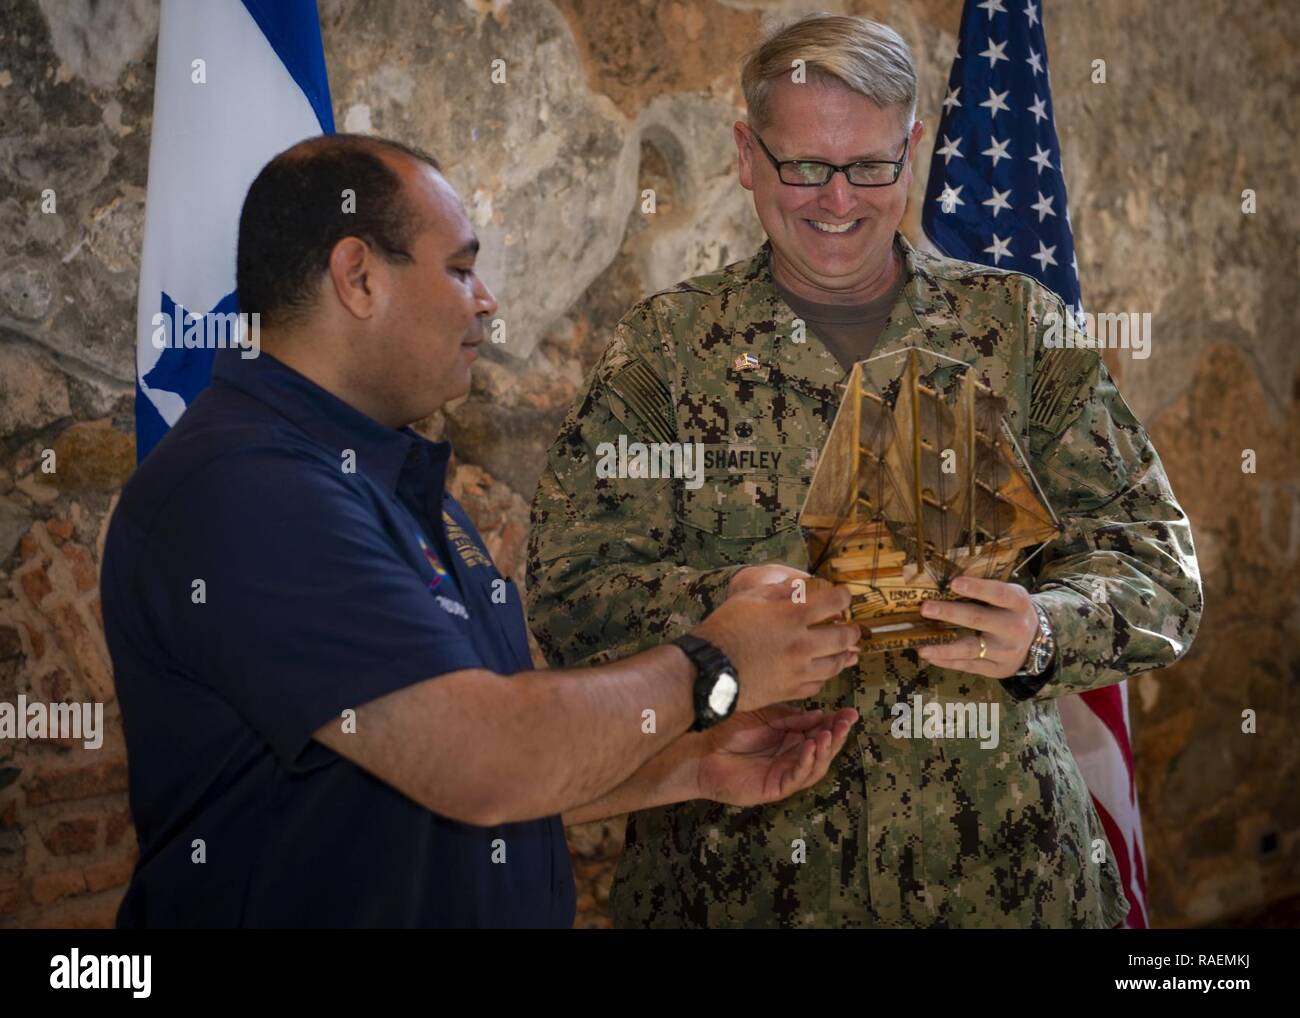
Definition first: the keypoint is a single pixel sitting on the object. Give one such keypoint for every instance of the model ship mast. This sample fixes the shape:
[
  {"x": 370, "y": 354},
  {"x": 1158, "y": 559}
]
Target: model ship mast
[{"x": 914, "y": 488}]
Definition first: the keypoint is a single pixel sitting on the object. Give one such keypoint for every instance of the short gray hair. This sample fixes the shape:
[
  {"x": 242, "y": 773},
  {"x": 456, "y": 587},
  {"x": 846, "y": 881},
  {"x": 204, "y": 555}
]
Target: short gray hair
[{"x": 863, "y": 55}]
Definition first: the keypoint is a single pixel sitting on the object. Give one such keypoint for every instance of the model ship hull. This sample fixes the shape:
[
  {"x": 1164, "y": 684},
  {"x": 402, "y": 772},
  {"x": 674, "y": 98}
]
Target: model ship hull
[
  {"x": 888, "y": 590},
  {"x": 913, "y": 489}
]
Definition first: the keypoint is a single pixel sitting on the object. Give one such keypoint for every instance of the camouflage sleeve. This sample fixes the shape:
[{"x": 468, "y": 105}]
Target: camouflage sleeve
[
  {"x": 605, "y": 572},
  {"x": 1121, "y": 588}
]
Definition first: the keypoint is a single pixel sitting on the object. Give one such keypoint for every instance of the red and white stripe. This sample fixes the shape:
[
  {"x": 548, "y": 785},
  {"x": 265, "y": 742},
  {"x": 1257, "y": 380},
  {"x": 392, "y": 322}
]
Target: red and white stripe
[{"x": 1097, "y": 729}]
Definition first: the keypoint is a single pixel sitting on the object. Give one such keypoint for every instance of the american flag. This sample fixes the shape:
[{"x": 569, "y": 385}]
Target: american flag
[{"x": 996, "y": 195}]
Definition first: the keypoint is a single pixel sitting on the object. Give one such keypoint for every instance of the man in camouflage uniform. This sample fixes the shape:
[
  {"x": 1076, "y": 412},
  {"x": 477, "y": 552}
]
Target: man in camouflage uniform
[{"x": 902, "y": 832}]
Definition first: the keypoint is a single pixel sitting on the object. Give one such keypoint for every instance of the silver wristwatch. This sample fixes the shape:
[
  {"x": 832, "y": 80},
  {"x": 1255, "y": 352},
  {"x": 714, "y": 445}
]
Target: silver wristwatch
[{"x": 1043, "y": 649}]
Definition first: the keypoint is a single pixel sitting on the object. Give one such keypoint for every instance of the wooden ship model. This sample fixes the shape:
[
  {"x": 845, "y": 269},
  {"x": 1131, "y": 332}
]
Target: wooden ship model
[{"x": 916, "y": 486}]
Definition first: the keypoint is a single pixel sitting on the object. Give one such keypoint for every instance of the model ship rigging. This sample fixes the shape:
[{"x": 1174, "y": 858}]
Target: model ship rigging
[{"x": 915, "y": 487}]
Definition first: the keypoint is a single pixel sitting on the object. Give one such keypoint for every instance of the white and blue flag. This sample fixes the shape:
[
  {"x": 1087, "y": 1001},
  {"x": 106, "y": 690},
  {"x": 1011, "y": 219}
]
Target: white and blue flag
[{"x": 237, "y": 82}]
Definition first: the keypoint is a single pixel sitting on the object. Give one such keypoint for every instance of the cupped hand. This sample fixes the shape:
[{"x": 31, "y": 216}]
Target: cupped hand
[{"x": 765, "y": 755}]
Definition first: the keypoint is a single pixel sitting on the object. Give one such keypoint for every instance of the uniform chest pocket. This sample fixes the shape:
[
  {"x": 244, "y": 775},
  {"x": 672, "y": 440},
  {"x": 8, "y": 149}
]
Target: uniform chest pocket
[{"x": 742, "y": 516}]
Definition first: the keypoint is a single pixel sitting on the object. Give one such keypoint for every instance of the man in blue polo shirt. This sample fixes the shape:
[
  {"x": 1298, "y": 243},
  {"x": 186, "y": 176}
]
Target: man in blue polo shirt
[{"x": 331, "y": 714}]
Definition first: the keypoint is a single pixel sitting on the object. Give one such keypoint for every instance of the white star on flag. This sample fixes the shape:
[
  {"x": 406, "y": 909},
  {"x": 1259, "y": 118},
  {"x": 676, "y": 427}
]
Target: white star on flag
[
  {"x": 1031, "y": 13},
  {"x": 1044, "y": 206},
  {"x": 998, "y": 201},
  {"x": 952, "y": 100},
  {"x": 951, "y": 197},
  {"x": 1074, "y": 264},
  {"x": 997, "y": 151},
  {"x": 1035, "y": 61},
  {"x": 1044, "y": 256},
  {"x": 992, "y": 6},
  {"x": 998, "y": 249},
  {"x": 950, "y": 148},
  {"x": 1038, "y": 110},
  {"x": 1040, "y": 158},
  {"x": 996, "y": 51},
  {"x": 995, "y": 102}
]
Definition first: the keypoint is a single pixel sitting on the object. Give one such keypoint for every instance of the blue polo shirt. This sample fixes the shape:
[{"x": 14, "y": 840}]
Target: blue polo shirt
[{"x": 278, "y": 559}]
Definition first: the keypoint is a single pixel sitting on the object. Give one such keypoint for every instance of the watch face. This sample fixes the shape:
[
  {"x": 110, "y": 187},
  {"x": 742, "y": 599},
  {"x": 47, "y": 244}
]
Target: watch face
[
  {"x": 723, "y": 694},
  {"x": 1038, "y": 660}
]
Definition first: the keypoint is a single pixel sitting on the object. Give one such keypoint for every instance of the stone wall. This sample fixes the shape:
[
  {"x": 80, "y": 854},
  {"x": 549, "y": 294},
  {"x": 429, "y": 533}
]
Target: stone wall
[{"x": 603, "y": 99}]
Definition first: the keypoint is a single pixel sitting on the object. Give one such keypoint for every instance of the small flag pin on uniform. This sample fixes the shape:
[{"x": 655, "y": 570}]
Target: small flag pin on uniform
[{"x": 745, "y": 362}]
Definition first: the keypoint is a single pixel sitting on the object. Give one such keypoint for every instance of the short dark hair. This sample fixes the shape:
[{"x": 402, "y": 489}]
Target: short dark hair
[{"x": 294, "y": 214}]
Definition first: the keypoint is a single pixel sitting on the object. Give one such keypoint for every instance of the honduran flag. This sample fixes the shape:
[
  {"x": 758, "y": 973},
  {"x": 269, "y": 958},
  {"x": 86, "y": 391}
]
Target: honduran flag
[
  {"x": 996, "y": 195},
  {"x": 237, "y": 81}
]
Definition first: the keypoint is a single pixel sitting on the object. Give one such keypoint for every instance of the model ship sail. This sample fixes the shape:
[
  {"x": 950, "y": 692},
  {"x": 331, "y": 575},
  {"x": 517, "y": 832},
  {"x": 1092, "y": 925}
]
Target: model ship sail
[{"x": 915, "y": 487}]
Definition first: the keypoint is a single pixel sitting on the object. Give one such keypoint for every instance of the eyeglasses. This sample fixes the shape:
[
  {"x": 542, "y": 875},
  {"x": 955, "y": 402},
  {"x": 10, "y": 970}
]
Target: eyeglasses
[{"x": 810, "y": 173}]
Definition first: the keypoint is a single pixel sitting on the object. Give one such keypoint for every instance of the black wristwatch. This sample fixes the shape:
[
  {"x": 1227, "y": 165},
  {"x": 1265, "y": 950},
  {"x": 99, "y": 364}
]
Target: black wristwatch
[{"x": 717, "y": 686}]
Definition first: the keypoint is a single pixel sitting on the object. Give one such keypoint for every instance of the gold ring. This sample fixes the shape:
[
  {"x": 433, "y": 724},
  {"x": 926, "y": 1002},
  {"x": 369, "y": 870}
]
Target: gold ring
[{"x": 984, "y": 649}]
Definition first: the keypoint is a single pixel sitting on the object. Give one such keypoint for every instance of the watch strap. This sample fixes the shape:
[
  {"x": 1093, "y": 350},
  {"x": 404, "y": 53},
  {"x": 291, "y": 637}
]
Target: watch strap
[
  {"x": 1043, "y": 648},
  {"x": 709, "y": 662}
]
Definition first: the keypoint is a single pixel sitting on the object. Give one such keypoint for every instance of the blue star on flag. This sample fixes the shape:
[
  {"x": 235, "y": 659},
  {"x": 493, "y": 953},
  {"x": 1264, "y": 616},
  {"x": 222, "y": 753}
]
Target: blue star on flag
[{"x": 183, "y": 372}]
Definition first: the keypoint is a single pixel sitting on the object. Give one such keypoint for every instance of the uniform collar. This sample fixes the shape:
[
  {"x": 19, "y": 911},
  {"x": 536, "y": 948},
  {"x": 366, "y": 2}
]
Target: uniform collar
[
  {"x": 381, "y": 451},
  {"x": 922, "y": 315}
]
